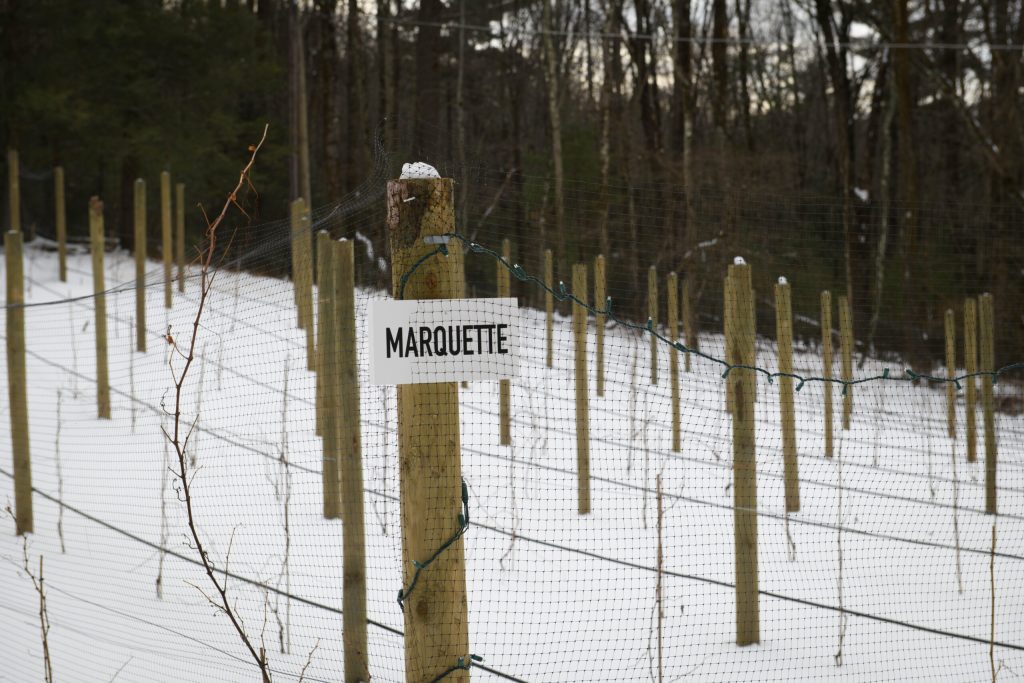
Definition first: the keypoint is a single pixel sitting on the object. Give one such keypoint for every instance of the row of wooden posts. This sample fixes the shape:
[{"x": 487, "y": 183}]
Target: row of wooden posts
[{"x": 428, "y": 417}]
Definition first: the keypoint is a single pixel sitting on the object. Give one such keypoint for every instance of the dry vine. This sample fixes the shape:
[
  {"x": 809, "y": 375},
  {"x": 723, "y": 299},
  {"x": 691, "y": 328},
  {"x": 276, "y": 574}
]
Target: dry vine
[{"x": 179, "y": 437}]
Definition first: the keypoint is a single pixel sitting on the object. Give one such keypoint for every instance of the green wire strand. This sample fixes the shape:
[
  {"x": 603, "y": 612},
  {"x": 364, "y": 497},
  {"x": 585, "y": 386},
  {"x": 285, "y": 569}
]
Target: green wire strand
[
  {"x": 562, "y": 294},
  {"x": 403, "y": 594}
]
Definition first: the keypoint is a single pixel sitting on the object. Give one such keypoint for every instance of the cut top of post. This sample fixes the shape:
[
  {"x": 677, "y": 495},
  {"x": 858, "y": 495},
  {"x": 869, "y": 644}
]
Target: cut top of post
[{"x": 419, "y": 208}]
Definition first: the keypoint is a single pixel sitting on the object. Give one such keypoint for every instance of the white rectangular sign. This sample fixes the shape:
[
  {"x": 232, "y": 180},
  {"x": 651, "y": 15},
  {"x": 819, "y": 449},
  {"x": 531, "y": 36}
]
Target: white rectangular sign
[{"x": 443, "y": 340}]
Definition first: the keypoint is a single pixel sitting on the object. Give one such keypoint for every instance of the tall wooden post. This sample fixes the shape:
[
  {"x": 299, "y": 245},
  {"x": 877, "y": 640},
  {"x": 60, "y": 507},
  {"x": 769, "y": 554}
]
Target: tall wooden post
[
  {"x": 429, "y": 448},
  {"x": 672, "y": 306},
  {"x": 826, "y": 365},
  {"x": 846, "y": 359},
  {"x": 305, "y": 303},
  {"x": 728, "y": 313},
  {"x": 748, "y": 621},
  {"x": 140, "y": 264},
  {"x": 17, "y": 382},
  {"x": 600, "y": 320},
  {"x": 166, "y": 243},
  {"x": 549, "y": 306},
  {"x": 350, "y": 469},
  {"x": 971, "y": 367},
  {"x": 179, "y": 233},
  {"x": 652, "y": 314},
  {"x": 295, "y": 211},
  {"x": 60, "y": 214},
  {"x": 950, "y": 373},
  {"x": 14, "y": 189},
  {"x": 97, "y": 245},
  {"x": 987, "y": 352},
  {"x": 328, "y": 378},
  {"x": 784, "y": 339},
  {"x": 579, "y": 332},
  {"x": 504, "y": 386},
  {"x": 689, "y": 329},
  {"x": 324, "y": 359}
]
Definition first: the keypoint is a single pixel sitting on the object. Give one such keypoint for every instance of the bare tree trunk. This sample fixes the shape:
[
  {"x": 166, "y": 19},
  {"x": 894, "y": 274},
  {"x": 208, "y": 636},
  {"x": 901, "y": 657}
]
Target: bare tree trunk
[
  {"x": 554, "y": 116},
  {"x": 884, "y": 192},
  {"x": 385, "y": 69},
  {"x": 743, "y": 16},
  {"x": 357, "y": 144},
  {"x": 460, "y": 117}
]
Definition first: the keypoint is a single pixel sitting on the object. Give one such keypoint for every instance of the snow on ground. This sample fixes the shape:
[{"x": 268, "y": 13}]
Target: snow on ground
[{"x": 553, "y": 596}]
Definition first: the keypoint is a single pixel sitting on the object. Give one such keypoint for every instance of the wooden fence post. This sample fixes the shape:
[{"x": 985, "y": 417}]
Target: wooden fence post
[
  {"x": 652, "y": 314},
  {"x": 784, "y": 339},
  {"x": 295, "y": 215},
  {"x": 429, "y": 448},
  {"x": 140, "y": 264},
  {"x": 971, "y": 367},
  {"x": 600, "y": 320},
  {"x": 60, "y": 211},
  {"x": 826, "y": 365},
  {"x": 728, "y": 313},
  {"x": 987, "y": 351},
  {"x": 950, "y": 373},
  {"x": 17, "y": 382},
  {"x": 14, "y": 189},
  {"x": 579, "y": 330},
  {"x": 689, "y": 330},
  {"x": 549, "y": 306},
  {"x": 350, "y": 469},
  {"x": 504, "y": 386},
  {"x": 166, "y": 243},
  {"x": 748, "y": 621},
  {"x": 97, "y": 245},
  {"x": 179, "y": 234},
  {"x": 327, "y": 374},
  {"x": 672, "y": 304},
  {"x": 305, "y": 282},
  {"x": 846, "y": 359}
]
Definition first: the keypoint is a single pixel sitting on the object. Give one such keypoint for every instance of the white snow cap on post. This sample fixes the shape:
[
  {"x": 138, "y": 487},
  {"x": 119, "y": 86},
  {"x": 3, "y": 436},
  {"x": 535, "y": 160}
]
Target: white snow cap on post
[
  {"x": 738, "y": 261},
  {"x": 783, "y": 280},
  {"x": 418, "y": 170}
]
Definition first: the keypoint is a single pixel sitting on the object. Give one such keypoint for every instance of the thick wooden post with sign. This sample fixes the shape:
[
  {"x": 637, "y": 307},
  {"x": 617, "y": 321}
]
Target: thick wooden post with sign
[
  {"x": 748, "y": 620},
  {"x": 986, "y": 343},
  {"x": 16, "y": 382},
  {"x": 350, "y": 469},
  {"x": 166, "y": 245},
  {"x": 179, "y": 233},
  {"x": 600, "y": 297},
  {"x": 787, "y": 410},
  {"x": 60, "y": 213},
  {"x": 97, "y": 245},
  {"x": 971, "y": 367},
  {"x": 504, "y": 386},
  {"x": 579, "y": 331},
  {"x": 429, "y": 448},
  {"x": 140, "y": 264}
]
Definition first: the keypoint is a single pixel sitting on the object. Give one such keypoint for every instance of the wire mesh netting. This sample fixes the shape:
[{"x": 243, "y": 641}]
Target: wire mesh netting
[{"x": 704, "y": 466}]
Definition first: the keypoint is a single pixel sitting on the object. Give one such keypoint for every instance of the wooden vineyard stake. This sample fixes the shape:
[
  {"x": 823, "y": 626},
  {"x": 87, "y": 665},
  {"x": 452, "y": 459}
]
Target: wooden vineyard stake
[
  {"x": 60, "y": 214},
  {"x": 14, "y": 189},
  {"x": 971, "y": 367},
  {"x": 728, "y": 313},
  {"x": 741, "y": 330},
  {"x": 504, "y": 386},
  {"x": 429, "y": 449},
  {"x": 787, "y": 410},
  {"x": 652, "y": 316},
  {"x": 305, "y": 284},
  {"x": 350, "y": 469},
  {"x": 179, "y": 233},
  {"x": 328, "y": 377},
  {"x": 325, "y": 311},
  {"x": 17, "y": 382},
  {"x": 97, "y": 245},
  {"x": 579, "y": 331},
  {"x": 950, "y": 373},
  {"x": 846, "y": 357},
  {"x": 140, "y": 264},
  {"x": 549, "y": 306},
  {"x": 986, "y": 343},
  {"x": 166, "y": 242},
  {"x": 600, "y": 320},
  {"x": 672, "y": 304},
  {"x": 689, "y": 329},
  {"x": 826, "y": 365}
]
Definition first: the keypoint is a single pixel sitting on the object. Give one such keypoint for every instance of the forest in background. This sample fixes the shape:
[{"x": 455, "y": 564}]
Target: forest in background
[{"x": 874, "y": 148}]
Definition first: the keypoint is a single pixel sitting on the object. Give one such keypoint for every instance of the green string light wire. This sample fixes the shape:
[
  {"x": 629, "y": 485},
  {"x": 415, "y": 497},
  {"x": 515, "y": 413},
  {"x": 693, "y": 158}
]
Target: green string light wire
[
  {"x": 403, "y": 594},
  {"x": 562, "y": 294},
  {"x": 462, "y": 664}
]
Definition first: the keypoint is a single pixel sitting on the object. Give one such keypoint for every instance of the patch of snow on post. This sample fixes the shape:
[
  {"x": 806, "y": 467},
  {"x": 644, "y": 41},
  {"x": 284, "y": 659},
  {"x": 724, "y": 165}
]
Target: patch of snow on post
[
  {"x": 783, "y": 280},
  {"x": 418, "y": 170},
  {"x": 738, "y": 261}
]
